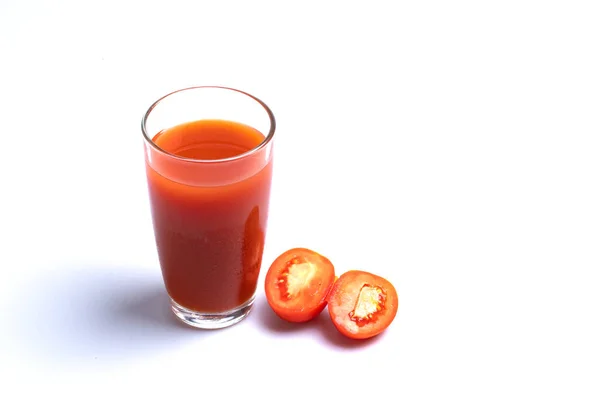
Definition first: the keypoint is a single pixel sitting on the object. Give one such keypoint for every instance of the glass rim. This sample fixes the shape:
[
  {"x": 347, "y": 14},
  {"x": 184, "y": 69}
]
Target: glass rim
[{"x": 245, "y": 154}]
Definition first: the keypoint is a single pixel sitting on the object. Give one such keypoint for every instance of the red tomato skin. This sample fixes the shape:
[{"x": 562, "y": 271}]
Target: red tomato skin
[
  {"x": 313, "y": 302},
  {"x": 343, "y": 298}
]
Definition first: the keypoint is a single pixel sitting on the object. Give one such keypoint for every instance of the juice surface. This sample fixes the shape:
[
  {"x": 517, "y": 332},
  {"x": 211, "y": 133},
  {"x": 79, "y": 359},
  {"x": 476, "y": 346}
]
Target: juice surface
[{"x": 210, "y": 239}]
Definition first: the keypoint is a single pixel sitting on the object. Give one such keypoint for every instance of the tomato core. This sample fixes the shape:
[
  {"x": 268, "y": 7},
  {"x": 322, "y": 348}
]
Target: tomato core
[
  {"x": 295, "y": 276},
  {"x": 369, "y": 304}
]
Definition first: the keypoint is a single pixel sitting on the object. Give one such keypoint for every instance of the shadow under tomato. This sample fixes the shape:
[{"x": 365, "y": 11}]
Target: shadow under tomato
[
  {"x": 321, "y": 325},
  {"x": 334, "y": 337},
  {"x": 274, "y": 323}
]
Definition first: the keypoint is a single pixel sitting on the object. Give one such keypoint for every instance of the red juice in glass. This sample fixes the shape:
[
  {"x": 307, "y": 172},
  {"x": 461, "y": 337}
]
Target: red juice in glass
[{"x": 209, "y": 183}]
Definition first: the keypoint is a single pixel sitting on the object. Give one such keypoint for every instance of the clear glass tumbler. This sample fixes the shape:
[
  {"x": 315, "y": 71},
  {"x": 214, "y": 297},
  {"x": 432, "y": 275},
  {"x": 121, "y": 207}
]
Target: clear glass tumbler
[{"x": 209, "y": 161}]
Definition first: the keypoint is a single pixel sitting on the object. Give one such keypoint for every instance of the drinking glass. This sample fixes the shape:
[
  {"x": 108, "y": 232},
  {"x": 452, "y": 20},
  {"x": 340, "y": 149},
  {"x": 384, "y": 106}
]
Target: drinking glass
[{"x": 209, "y": 212}]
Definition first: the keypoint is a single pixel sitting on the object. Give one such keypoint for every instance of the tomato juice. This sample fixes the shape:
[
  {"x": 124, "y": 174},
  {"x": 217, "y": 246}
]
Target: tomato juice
[{"x": 209, "y": 183}]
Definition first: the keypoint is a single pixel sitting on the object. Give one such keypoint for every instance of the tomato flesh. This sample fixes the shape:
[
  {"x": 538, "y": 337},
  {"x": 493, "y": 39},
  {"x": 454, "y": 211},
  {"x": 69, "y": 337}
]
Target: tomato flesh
[
  {"x": 370, "y": 303},
  {"x": 297, "y": 284},
  {"x": 362, "y": 305}
]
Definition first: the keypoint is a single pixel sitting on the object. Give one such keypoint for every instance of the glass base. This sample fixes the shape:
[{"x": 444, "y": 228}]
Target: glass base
[{"x": 212, "y": 320}]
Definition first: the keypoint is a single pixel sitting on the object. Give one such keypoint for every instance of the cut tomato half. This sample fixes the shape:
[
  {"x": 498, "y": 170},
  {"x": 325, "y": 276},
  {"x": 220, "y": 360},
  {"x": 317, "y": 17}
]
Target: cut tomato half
[
  {"x": 297, "y": 284},
  {"x": 362, "y": 305}
]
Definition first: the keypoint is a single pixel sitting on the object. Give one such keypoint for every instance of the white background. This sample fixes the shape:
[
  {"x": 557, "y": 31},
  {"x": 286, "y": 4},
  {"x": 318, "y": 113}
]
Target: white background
[{"x": 449, "y": 146}]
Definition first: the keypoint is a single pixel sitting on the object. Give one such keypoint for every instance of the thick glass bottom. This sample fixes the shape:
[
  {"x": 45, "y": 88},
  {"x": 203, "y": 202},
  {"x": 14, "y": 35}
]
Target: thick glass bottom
[{"x": 212, "y": 320}]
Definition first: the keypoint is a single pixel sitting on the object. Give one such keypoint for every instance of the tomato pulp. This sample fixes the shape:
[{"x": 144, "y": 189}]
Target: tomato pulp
[
  {"x": 297, "y": 284},
  {"x": 361, "y": 304},
  {"x": 209, "y": 218}
]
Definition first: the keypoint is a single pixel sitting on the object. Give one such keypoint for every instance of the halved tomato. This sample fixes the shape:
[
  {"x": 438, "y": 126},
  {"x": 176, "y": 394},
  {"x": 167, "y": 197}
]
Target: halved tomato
[
  {"x": 297, "y": 284},
  {"x": 362, "y": 305}
]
